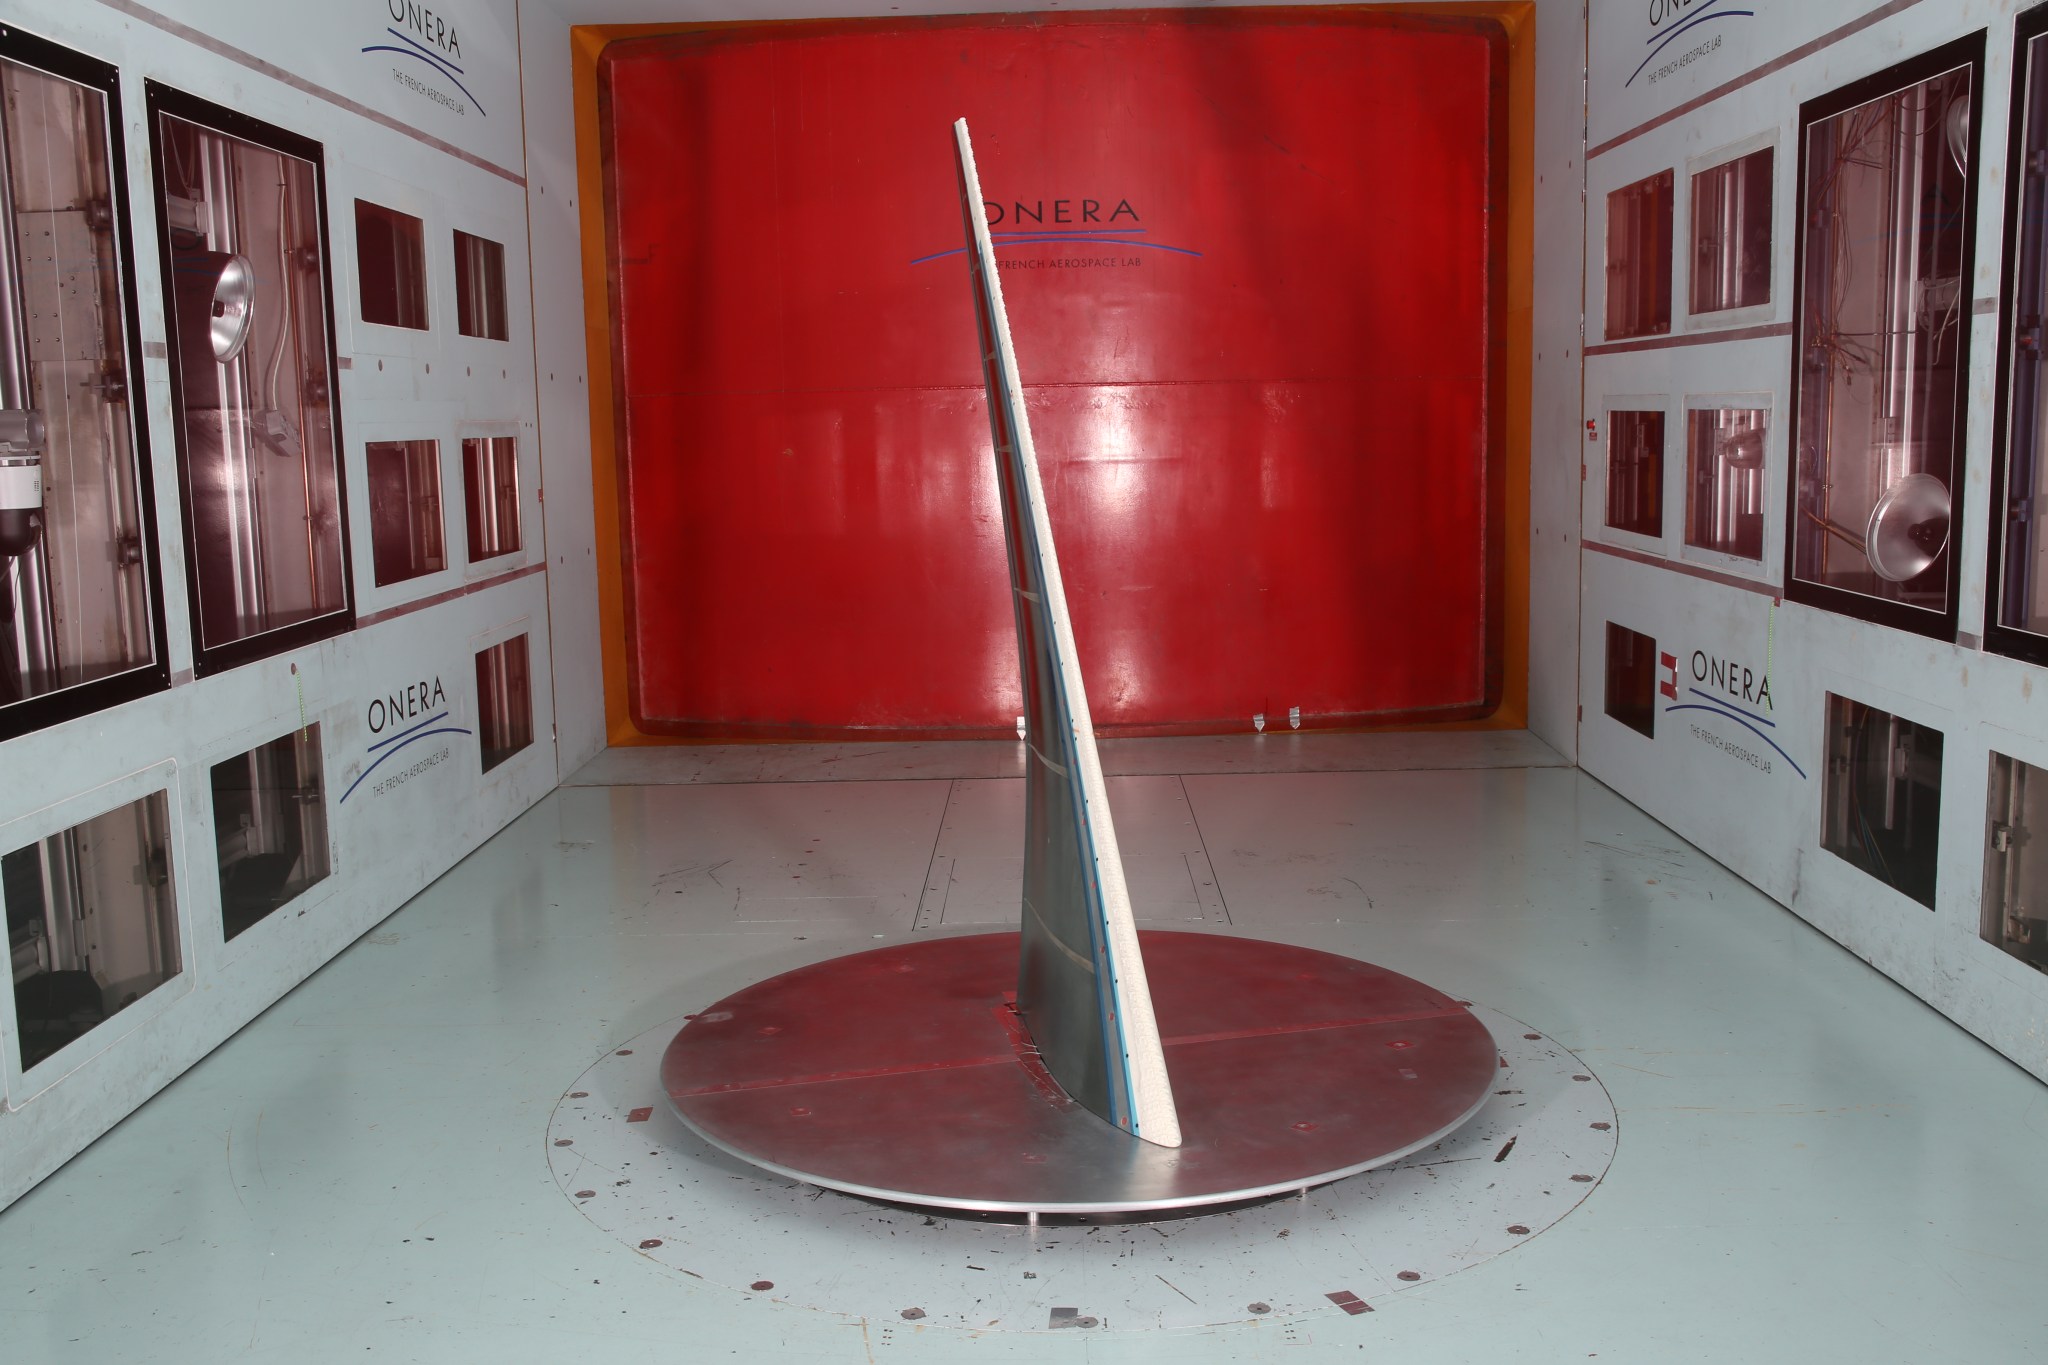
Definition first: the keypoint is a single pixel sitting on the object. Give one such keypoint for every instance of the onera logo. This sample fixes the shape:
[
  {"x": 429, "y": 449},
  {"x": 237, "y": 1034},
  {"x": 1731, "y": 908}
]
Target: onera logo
[
  {"x": 399, "y": 719},
  {"x": 1732, "y": 690},
  {"x": 427, "y": 36},
  {"x": 1103, "y": 220},
  {"x": 434, "y": 28},
  {"x": 1018, "y": 212},
  {"x": 1671, "y": 20}
]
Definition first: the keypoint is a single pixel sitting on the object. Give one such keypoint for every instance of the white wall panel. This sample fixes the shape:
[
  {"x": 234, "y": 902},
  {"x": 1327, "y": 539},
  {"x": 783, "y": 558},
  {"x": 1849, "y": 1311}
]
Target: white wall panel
[
  {"x": 561, "y": 376},
  {"x": 398, "y": 815},
  {"x": 1704, "y": 773},
  {"x": 1554, "y": 524}
]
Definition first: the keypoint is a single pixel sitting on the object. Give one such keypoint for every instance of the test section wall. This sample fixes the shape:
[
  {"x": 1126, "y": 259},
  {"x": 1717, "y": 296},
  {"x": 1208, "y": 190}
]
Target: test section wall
[
  {"x": 1746, "y": 720},
  {"x": 447, "y": 706}
]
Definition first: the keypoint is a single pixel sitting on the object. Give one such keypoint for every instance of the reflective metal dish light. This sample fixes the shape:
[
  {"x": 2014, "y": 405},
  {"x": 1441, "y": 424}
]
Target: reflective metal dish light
[
  {"x": 234, "y": 299},
  {"x": 1908, "y": 528}
]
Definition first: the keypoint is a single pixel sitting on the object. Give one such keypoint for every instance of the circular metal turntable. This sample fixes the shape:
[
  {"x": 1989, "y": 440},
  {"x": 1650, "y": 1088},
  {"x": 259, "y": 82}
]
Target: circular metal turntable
[{"x": 904, "y": 1074}]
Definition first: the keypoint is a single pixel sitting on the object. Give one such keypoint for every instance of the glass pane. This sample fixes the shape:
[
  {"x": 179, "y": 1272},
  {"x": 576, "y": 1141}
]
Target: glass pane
[
  {"x": 2015, "y": 916},
  {"x": 92, "y": 923},
  {"x": 1731, "y": 234},
  {"x": 1639, "y": 258},
  {"x": 1724, "y": 485},
  {"x": 254, "y": 392},
  {"x": 1632, "y": 679},
  {"x": 405, "y": 509},
  {"x": 270, "y": 825},
  {"x": 2023, "y": 586},
  {"x": 504, "y": 701},
  {"x": 1881, "y": 796},
  {"x": 479, "y": 287},
  {"x": 74, "y": 583},
  {"x": 391, "y": 266},
  {"x": 1635, "y": 472},
  {"x": 490, "y": 485},
  {"x": 1883, "y": 314}
]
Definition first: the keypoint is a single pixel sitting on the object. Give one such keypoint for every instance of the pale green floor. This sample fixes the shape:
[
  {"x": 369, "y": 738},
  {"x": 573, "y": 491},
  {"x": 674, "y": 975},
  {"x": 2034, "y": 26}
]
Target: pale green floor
[{"x": 1813, "y": 1166}]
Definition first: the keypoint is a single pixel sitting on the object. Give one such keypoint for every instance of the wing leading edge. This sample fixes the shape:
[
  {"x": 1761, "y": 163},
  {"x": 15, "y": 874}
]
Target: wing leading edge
[{"x": 1081, "y": 981}]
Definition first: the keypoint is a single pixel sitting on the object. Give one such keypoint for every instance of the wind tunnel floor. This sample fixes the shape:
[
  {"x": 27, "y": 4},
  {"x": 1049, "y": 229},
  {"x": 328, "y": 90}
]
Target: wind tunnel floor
[{"x": 1808, "y": 1164}]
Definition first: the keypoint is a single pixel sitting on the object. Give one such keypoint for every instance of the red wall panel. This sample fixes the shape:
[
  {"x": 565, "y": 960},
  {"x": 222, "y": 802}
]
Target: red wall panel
[{"x": 1251, "y": 283}]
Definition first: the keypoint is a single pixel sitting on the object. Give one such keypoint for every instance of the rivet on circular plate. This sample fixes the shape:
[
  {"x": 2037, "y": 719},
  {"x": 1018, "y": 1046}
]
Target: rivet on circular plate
[
  {"x": 564, "y": 1142},
  {"x": 586, "y": 1194},
  {"x": 1403, "y": 1042},
  {"x": 649, "y": 1243},
  {"x": 1409, "y": 1275},
  {"x": 799, "y": 1112},
  {"x": 625, "y": 1052},
  {"x": 1304, "y": 1127},
  {"x": 579, "y": 1094},
  {"x": 1518, "y": 1229},
  {"x": 771, "y": 1029},
  {"x": 912, "y": 1314},
  {"x": 1258, "y": 1308},
  {"x": 1603, "y": 1127},
  {"x": 1034, "y": 1156},
  {"x": 1583, "y": 1179},
  {"x": 1582, "y": 1078},
  {"x": 1532, "y": 1036},
  {"x": 761, "y": 1286}
]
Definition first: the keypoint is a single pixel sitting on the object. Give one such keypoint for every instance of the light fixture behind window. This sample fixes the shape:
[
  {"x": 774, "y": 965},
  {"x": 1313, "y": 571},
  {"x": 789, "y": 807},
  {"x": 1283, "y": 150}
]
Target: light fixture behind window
[{"x": 1882, "y": 351}]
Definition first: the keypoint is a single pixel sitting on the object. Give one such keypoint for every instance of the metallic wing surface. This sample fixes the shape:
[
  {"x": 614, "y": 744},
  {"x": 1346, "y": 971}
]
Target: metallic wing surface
[{"x": 1081, "y": 982}]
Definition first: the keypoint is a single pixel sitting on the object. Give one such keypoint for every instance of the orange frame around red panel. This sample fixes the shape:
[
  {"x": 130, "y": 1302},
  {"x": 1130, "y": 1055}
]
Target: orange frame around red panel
[{"x": 1205, "y": 650}]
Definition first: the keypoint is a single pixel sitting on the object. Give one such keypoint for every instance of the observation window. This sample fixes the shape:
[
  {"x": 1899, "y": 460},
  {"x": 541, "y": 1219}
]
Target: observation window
[
  {"x": 1724, "y": 480},
  {"x": 479, "y": 287},
  {"x": 504, "y": 701},
  {"x": 1635, "y": 472},
  {"x": 391, "y": 266},
  {"x": 1881, "y": 796},
  {"x": 92, "y": 923},
  {"x": 405, "y": 509},
  {"x": 270, "y": 827},
  {"x": 1639, "y": 258},
  {"x": 1731, "y": 234},
  {"x": 2017, "y": 619},
  {"x": 1632, "y": 679},
  {"x": 2015, "y": 914},
  {"x": 81, "y": 623},
  {"x": 490, "y": 486},
  {"x": 243, "y": 238},
  {"x": 1886, "y": 197}
]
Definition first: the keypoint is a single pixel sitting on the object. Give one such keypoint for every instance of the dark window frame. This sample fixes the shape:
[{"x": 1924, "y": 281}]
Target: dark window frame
[
  {"x": 1663, "y": 272},
  {"x": 402, "y": 300},
  {"x": 233, "y": 898},
  {"x": 476, "y": 497},
  {"x": 1734, "y": 314},
  {"x": 1967, "y": 51},
  {"x": 161, "y": 99},
  {"x": 499, "y": 310},
  {"x": 487, "y": 699},
  {"x": 53, "y": 708},
  {"x": 379, "y": 561},
  {"x": 1999, "y": 638},
  {"x": 1612, "y": 437},
  {"x": 1620, "y": 709}
]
